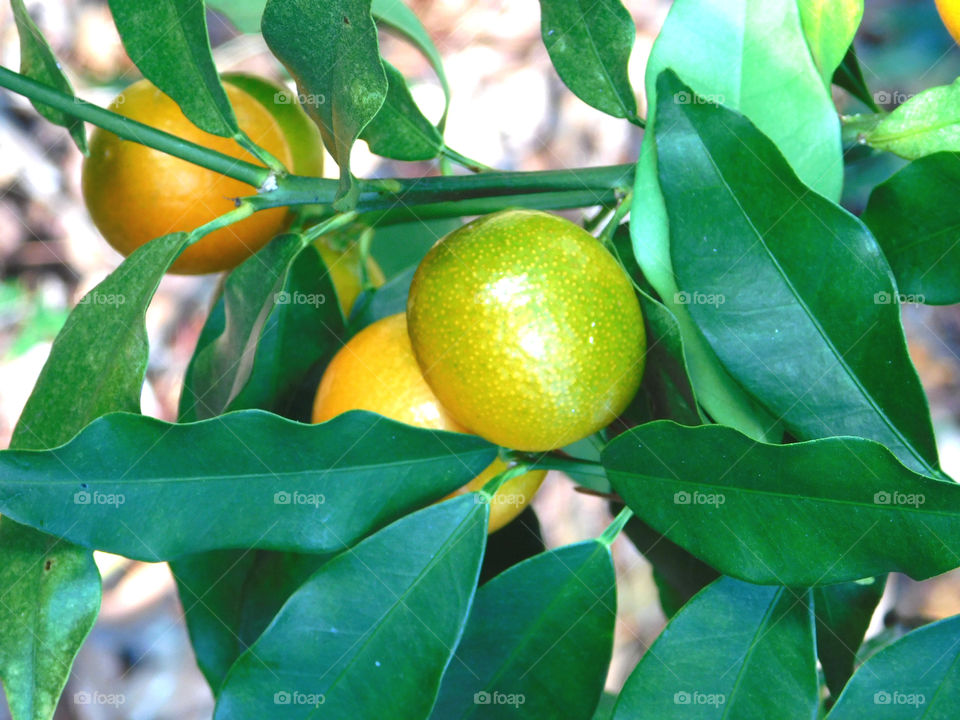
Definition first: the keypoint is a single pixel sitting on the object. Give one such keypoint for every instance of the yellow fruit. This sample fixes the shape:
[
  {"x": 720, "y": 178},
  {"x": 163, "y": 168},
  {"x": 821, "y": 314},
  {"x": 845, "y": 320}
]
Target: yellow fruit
[
  {"x": 527, "y": 329},
  {"x": 950, "y": 14},
  {"x": 376, "y": 371},
  {"x": 346, "y": 272},
  {"x": 302, "y": 134},
  {"x": 135, "y": 193}
]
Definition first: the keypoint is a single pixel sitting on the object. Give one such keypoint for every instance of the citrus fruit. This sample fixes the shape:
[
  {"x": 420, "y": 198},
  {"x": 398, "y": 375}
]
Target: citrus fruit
[
  {"x": 950, "y": 14},
  {"x": 376, "y": 371},
  {"x": 342, "y": 258},
  {"x": 135, "y": 193},
  {"x": 301, "y": 133},
  {"x": 527, "y": 329}
]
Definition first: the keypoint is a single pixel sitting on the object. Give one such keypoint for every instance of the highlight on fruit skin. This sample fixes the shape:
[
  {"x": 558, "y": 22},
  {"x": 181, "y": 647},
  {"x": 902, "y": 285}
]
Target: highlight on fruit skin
[
  {"x": 527, "y": 329},
  {"x": 376, "y": 371},
  {"x": 135, "y": 193}
]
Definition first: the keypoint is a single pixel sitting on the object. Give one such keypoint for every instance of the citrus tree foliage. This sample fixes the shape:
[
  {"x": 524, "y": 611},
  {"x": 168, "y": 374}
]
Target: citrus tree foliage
[{"x": 776, "y": 463}]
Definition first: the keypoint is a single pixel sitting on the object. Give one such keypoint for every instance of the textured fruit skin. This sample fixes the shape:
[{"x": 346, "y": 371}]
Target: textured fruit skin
[
  {"x": 950, "y": 14},
  {"x": 135, "y": 193},
  {"x": 345, "y": 272},
  {"x": 301, "y": 133},
  {"x": 527, "y": 329},
  {"x": 376, "y": 371}
]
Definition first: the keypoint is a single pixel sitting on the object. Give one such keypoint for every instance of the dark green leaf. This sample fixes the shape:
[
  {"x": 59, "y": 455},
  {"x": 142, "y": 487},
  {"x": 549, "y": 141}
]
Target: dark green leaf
[
  {"x": 518, "y": 540},
  {"x": 829, "y": 26},
  {"x": 925, "y": 124},
  {"x": 50, "y": 588},
  {"x": 262, "y": 481},
  {"x": 279, "y": 319},
  {"x": 916, "y": 677},
  {"x": 396, "y": 247},
  {"x": 679, "y": 575},
  {"x": 805, "y": 344},
  {"x": 370, "y": 634},
  {"x": 168, "y": 41},
  {"x": 762, "y": 39},
  {"x": 843, "y": 615},
  {"x": 51, "y": 596},
  {"x": 538, "y": 640},
  {"x": 804, "y": 514},
  {"x": 98, "y": 360},
  {"x": 849, "y": 76},
  {"x": 396, "y": 15},
  {"x": 37, "y": 61},
  {"x": 735, "y": 651},
  {"x": 589, "y": 43},
  {"x": 399, "y": 130},
  {"x": 331, "y": 50},
  {"x": 916, "y": 220},
  {"x": 230, "y": 596},
  {"x": 384, "y": 301}
]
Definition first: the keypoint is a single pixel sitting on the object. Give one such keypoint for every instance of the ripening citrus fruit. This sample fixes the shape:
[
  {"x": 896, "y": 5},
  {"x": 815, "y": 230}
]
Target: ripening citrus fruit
[
  {"x": 527, "y": 329},
  {"x": 950, "y": 14},
  {"x": 342, "y": 258},
  {"x": 376, "y": 371},
  {"x": 301, "y": 133},
  {"x": 135, "y": 193}
]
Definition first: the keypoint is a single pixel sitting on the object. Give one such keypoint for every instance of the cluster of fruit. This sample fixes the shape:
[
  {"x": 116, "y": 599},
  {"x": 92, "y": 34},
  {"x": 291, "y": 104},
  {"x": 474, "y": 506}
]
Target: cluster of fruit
[{"x": 520, "y": 326}]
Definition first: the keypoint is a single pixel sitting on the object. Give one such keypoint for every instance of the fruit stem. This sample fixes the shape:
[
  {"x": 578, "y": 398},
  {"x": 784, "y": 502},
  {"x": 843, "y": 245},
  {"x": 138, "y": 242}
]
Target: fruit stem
[
  {"x": 243, "y": 210},
  {"x": 262, "y": 154},
  {"x": 334, "y": 223},
  {"x": 132, "y": 130},
  {"x": 606, "y": 235},
  {"x": 614, "y": 528},
  {"x": 497, "y": 481}
]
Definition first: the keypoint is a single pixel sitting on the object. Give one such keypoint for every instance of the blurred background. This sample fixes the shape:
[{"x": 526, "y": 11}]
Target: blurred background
[{"x": 510, "y": 111}]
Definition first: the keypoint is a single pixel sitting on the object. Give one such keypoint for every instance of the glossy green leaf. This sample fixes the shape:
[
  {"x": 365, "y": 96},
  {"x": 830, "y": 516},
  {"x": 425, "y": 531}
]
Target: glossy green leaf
[
  {"x": 278, "y": 320},
  {"x": 519, "y": 540},
  {"x": 702, "y": 40},
  {"x": 51, "y": 588},
  {"x": 915, "y": 218},
  {"x": 925, "y": 124},
  {"x": 37, "y": 61},
  {"x": 849, "y": 76},
  {"x": 381, "y": 302},
  {"x": 168, "y": 42},
  {"x": 332, "y": 51},
  {"x": 399, "y": 130},
  {"x": 804, "y": 514},
  {"x": 51, "y": 597},
  {"x": 805, "y": 344},
  {"x": 370, "y": 634},
  {"x": 679, "y": 575},
  {"x": 916, "y": 677},
  {"x": 230, "y": 596},
  {"x": 589, "y": 43},
  {"x": 398, "y": 246},
  {"x": 98, "y": 360},
  {"x": 401, "y": 19},
  {"x": 538, "y": 640},
  {"x": 263, "y": 481},
  {"x": 829, "y": 26},
  {"x": 843, "y": 613},
  {"x": 735, "y": 651}
]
